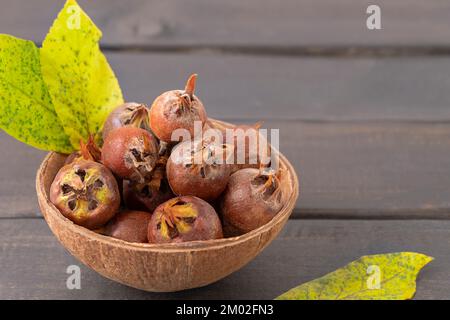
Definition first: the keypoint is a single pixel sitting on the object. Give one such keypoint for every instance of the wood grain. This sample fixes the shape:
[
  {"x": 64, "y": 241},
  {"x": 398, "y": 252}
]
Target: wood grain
[
  {"x": 346, "y": 170},
  {"x": 376, "y": 170},
  {"x": 237, "y": 23},
  {"x": 288, "y": 88},
  {"x": 34, "y": 264},
  {"x": 369, "y": 136},
  {"x": 18, "y": 166}
]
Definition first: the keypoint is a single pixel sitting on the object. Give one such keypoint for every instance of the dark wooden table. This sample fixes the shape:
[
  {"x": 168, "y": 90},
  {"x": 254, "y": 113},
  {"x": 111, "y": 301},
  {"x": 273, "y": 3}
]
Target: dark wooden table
[{"x": 364, "y": 116}]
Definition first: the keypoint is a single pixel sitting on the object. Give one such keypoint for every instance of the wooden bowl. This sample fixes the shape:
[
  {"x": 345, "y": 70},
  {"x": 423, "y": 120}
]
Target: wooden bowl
[{"x": 155, "y": 267}]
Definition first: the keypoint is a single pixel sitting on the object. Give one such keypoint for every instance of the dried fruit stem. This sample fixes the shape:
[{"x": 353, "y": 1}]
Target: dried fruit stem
[
  {"x": 190, "y": 85},
  {"x": 89, "y": 150}
]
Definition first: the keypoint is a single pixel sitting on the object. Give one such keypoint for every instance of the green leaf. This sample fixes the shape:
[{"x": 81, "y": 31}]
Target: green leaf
[
  {"x": 81, "y": 83},
  {"x": 26, "y": 109},
  {"x": 389, "y": 276}
]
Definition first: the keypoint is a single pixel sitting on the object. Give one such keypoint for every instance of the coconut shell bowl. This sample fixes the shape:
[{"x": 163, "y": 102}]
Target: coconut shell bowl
[{"x": 156, "y": 267}]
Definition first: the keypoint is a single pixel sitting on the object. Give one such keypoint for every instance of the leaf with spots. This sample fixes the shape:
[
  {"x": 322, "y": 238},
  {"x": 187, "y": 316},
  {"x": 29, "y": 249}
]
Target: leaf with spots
[
  {"x": 26, "y": 109},
  {"x": 389, "y": 276},
  {"x": 81, "y": 83}
]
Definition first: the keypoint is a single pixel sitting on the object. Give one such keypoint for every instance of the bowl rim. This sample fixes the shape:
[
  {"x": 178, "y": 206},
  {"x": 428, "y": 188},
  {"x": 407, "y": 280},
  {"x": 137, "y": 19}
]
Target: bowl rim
[{"x": 199, "y": 245}]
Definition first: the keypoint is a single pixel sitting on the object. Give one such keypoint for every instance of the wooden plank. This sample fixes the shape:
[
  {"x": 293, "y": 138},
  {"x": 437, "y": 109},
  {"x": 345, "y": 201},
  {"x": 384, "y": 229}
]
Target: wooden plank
[
  {"x": 363, "y": 142},
  {"x": 376, "y": 170},
  {"x": 249, "y": 87},
  {"x": 18, "y": 166},
  {"x": 347, "y": 170},
  {"x": 34, "y": 264},
  {"x": 250, "y": 23},
  {"x": 259, "y": 88}
]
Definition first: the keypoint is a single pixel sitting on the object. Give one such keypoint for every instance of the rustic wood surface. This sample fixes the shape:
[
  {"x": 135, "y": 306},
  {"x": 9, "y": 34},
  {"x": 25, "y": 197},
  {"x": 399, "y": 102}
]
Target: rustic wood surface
[
  {"x": 364, "y": 116},
  {"x": 291, "y": 24},
  {"x": 34, "y": 264},
  {"x": 346, "y": 170},
  {"x": 242, "y": 87}
]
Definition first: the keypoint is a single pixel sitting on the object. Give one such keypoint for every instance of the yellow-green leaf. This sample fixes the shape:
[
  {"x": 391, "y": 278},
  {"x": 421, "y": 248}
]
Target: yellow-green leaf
[
  {"x": 389, "y": 276},
  {"x": 26, "y": 109},
  {"x": 81, "y": 83}
]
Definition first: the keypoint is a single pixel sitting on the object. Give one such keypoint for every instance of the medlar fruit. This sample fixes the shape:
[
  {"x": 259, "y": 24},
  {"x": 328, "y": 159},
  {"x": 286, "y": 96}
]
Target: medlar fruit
[
  {"x": 131, "y": 226},
  {"x": 184, "y": 219},
  {"x": 176, "y": 109},
  {"x": 144, "y": 196},
  {"x": 85, "y": 192},
  {"x": 128, "y": 114},
  {"x": 252, "y": 198},
  {"x": 130, "y": 153},
  {"x": 148, "y": 195},
  {"x": 251, "y": 148},
  {"x": 198, "y": 168}
]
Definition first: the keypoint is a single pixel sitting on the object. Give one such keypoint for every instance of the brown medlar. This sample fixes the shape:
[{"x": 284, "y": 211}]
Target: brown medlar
[
  {"x": 131, "y": 153},
  {"x": 251, "y": 148},
  {"x": 176, "y": 109},
  {"x": 198, "y": 168},
  {"x": 128, "y": 114},
  {"x": 128, "y": 225},
  {"x": 252, "y": 198},
  {"x": 184, "y": 219},
  {"x": 144, "y": 196},
  {"x": 85, "y": 192}
]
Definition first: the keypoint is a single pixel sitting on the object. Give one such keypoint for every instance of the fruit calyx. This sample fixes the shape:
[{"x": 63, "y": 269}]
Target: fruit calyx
[
  {"x": 268, "y": 184},
  {"x": 90, "y": 150},
  {"x": 136, "y": 116},
  {"x": 155, "y": 183},
  {"x": 83, "y": 189},
  {"x": 140, "y": 160},
  {"x": 177, "y": 217},
  {"x": 187, "y": 96},
  {"x": 207, "y": 157}
]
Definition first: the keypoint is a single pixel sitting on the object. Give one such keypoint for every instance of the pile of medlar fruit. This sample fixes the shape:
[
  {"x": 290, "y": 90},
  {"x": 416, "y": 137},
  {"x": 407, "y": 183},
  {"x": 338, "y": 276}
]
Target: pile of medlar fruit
[{"x": 143, "y": 185}]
